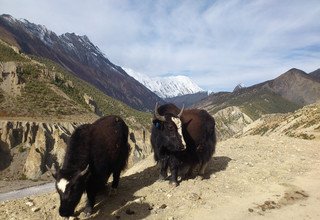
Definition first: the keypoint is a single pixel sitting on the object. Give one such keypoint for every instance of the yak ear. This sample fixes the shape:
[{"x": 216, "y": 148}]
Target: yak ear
[{"x": 52, "y": 171}]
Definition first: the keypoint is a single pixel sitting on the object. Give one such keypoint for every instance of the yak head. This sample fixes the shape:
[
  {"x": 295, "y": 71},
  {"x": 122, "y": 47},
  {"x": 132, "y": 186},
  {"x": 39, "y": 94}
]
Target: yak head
[
  {"x": 70, "y": 184},
  {"x": 167, "y": 129}
]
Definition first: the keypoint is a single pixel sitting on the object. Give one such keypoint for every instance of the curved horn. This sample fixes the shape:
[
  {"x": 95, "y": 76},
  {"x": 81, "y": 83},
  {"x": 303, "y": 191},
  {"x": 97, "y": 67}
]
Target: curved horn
[
  {"x": 157, "y": 115},
  {"x": 179, "y": 115},
  {"x": 83, "y": 172},
  {"x": 52, "y": 171}
]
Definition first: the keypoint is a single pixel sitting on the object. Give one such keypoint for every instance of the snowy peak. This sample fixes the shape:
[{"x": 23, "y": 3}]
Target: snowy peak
[
  {"x": 166, "y": 87},
  {"x": 80, "y": 56},
  {"x": 69, "y": 42}
]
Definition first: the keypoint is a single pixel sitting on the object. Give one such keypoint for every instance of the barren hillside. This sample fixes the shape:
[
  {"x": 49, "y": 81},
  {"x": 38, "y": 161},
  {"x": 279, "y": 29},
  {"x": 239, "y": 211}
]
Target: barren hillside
[{"x": 303, "y": 123}]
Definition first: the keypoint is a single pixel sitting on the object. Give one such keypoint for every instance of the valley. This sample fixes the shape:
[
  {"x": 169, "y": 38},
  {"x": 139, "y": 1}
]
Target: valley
[{"x": 267, "y": 163}]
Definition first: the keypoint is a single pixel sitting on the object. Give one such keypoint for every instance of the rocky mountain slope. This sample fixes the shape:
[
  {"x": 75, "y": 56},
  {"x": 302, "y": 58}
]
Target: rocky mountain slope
[
  {"x": 80, "y": 56},
  {"x": 296, "y": 86},
  {"x": 285, "y": 93},
  {"x": 315, "y": 74},
  {"x": 166, "y": 87},
  {"x": 230, "y": 121},
  {"x": 234, "y": 111},
  {"x": 251, "y": 177},
  {"x": 240, "y": 108},
  {"x": 303, "y": 123}
]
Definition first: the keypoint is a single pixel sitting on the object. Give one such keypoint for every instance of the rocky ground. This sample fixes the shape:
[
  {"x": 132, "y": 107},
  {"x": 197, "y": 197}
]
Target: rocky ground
[{"x": 252, "y": 177}]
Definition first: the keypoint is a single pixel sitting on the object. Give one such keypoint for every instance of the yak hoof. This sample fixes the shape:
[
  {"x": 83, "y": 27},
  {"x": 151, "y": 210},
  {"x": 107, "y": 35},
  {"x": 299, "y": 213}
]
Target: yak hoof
[
  {"x": 174, "y": 183},
  {"x": 200, "y": 177}
]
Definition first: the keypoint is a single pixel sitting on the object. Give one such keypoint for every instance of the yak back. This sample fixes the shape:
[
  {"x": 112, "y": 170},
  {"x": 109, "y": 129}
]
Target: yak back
[
  {"x": 103, "y": 145},
  {"x": 77, "y": 152},
  {"x": 169, "y": 109}
]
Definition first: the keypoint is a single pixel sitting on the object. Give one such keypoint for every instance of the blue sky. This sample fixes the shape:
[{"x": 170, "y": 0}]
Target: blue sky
[{"x": 218, "y": 44}]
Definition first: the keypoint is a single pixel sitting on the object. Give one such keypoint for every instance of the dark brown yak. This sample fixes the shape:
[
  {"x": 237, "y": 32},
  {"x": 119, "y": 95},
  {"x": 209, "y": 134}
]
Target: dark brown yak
[
  {"x": 198, "y": 130},
  {"x": 95, "y": 152}
]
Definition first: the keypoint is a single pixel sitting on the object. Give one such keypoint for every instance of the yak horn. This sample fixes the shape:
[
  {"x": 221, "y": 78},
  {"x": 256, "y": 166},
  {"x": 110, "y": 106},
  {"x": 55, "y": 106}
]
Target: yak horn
[
  {"x": 83, "y": 172},
  {"x": 179, "y": 115},
  {"x": 157, "y": 115},
  {"x": 52, "y": 171}
]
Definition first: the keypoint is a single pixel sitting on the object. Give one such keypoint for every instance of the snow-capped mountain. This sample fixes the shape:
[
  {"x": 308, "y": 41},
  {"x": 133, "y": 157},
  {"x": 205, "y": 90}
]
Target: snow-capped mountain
[
  {"x": 80, "y": 56},
  {"x": 166, "y": 87}
]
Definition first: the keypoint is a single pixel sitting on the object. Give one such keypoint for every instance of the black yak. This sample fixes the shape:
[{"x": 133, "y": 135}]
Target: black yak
[
  {"x": 198, "y": 130},
  {"x": 94, "y": 153},
  {"x": 167, "y": 146}
]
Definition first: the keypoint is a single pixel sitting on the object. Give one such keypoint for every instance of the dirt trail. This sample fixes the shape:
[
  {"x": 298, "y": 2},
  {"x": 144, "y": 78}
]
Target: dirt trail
[
  {"x": 29, "y": 191},
  {"x": 249, "y": 178}
]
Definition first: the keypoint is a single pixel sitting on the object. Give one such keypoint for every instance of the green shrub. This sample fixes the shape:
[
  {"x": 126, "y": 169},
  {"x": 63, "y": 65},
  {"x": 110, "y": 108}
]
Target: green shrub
[{"x": 8, "y": 54}]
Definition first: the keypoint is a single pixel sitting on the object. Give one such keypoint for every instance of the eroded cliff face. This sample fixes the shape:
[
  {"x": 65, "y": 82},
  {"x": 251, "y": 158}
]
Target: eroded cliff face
[
  {"x": 10, "y": 82},
  {"x": 230, "y": 121},
  {"x": 27, "y": 147},
  {"x": 33, "y": 144}
]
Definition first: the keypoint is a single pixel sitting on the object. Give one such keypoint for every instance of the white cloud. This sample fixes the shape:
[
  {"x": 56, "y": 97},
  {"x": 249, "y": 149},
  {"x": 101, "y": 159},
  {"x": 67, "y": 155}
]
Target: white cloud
[{"x": 217, "y": 43}]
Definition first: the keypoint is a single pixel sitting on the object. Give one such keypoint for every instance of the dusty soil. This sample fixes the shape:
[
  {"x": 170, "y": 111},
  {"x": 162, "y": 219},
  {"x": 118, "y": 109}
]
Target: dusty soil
[{"x": 251, "y": 177}]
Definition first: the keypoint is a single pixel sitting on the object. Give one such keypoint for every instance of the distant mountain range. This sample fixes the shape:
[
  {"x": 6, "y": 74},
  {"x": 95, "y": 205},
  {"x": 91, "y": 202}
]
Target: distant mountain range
[
  {"x": 80, "y": 56},
  {"x": 285, "y": 93},
  {"x": 166, "y": 87}
]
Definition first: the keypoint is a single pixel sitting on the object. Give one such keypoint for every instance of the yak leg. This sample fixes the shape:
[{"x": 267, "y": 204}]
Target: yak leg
[
  {"x": 173, "y": 163},
  {"x": 115, "y": 182},
  {"x": 190, "y": 171},
  {"x": 163, "y": 169},
  {"x": 91, "y": 190},
  {"x": 202, "y": 169},
  {"x": 174, "y": 176}
]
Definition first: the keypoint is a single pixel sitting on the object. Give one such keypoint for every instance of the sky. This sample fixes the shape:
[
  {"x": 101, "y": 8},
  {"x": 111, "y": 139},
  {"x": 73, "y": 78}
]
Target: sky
[{"x": 218, "y": 44}]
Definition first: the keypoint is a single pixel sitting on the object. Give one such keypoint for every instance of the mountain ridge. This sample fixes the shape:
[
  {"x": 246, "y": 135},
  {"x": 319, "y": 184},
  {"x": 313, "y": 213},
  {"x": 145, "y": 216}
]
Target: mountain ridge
[
  {"x": 294, "y": 86},
  {"x": 80, "y": 56}
]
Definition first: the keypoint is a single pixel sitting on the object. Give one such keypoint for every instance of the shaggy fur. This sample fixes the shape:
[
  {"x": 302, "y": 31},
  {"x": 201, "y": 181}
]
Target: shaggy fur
[
  {"x": 166, "y": 143},
  {"x": 198, "y": 130},
  {"x": 94, "y": 153}
]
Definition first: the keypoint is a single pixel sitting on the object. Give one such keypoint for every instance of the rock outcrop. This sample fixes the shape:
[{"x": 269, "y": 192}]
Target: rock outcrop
[
  {"x": 230, "y": 121},
  {"x": 44, "y": 142},
  {"x": 26, "y": 147},
  {"x": 10, "y": 82},
  {"x": 303, "y": 123},
  {"x": 92, "y": 104}
]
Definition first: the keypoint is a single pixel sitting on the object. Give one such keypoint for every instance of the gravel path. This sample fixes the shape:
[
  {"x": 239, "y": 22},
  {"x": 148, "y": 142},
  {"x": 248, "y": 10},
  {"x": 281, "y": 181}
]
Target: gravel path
[{"x": 35, "y": 190}]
